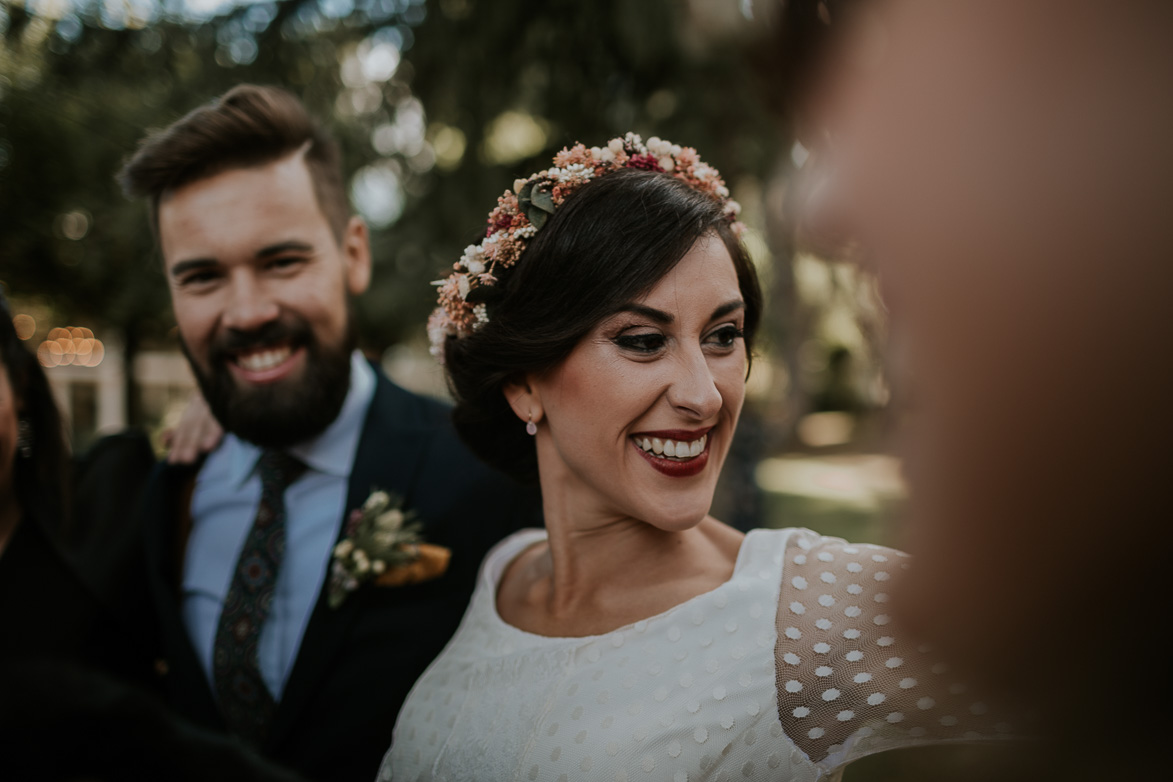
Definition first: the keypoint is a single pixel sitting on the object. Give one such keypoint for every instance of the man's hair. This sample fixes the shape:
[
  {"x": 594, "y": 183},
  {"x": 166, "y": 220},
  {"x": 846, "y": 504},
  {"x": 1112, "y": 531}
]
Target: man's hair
[{"x": 245, "y": 127}]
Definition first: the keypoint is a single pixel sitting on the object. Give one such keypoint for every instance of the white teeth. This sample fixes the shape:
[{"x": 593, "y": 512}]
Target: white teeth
[
  {"x": 264, "y": 359},
  {"x": 672, "y": 448}
]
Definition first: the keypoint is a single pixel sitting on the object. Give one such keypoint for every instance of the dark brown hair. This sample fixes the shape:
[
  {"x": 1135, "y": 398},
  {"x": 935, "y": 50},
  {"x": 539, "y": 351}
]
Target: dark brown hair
[
  {"x": 41, "y": 479},
  {"x": 608, "y": 244},
  {"x": 245, "y": 127}
]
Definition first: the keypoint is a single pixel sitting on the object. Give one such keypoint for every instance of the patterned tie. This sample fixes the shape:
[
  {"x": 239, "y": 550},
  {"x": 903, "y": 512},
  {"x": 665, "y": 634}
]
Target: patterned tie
[{"x": 245, "y": 701}]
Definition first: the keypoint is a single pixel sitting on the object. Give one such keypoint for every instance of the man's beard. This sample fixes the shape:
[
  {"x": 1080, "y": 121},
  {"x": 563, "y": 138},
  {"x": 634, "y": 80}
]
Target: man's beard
[{"x": 281, "y": 414}]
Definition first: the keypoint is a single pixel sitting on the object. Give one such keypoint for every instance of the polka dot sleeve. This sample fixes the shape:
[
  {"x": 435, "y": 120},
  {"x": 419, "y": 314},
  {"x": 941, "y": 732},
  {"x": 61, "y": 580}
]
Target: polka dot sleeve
[{"x": 848, "y": 683}]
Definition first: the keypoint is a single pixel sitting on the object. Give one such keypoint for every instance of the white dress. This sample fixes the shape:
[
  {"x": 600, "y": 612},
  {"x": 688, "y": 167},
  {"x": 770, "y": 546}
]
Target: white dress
[{"x": 787, "y": 671}]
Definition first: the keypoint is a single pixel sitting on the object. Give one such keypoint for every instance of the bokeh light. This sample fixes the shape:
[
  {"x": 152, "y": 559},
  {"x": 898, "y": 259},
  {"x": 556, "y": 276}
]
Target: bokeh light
[
  {"x": 70, "y": 346},
  {"x": 25, "y": 325}
]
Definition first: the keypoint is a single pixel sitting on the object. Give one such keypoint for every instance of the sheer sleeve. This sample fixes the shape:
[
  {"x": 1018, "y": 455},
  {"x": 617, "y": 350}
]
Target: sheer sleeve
[{"x": 848, "y": 683}]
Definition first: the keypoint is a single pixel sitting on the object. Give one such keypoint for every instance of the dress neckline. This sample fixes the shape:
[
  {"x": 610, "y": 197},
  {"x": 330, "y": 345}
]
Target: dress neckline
[{"x": 512, "y": 547}]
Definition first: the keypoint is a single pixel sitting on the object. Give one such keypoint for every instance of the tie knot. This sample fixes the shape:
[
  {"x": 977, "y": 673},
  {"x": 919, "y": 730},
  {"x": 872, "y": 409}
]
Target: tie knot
[{"x": 279, "y": 469}]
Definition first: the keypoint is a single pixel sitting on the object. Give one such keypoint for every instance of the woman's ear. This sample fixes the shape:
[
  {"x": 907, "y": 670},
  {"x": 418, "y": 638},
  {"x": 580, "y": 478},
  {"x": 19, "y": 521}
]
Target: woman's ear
[{"x": 525, "y": 400}]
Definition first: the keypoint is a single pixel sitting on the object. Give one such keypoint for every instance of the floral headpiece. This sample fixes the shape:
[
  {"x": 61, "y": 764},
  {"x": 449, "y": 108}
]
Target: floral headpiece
[{"x": 522, "y": 212}]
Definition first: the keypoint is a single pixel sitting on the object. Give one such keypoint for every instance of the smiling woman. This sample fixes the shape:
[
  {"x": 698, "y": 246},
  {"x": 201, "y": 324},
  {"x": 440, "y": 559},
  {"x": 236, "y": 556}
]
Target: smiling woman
[{"x": 598, "y": 341}]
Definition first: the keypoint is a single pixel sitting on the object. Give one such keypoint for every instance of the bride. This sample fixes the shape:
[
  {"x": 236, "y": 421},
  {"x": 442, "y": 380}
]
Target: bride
[{"x": 597, "y": 341}]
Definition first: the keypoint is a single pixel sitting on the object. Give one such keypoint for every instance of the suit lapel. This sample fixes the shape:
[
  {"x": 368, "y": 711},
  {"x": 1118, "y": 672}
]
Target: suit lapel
[
  {"x": 167, "y": 506},
  {"x": 389, "y": 454}
]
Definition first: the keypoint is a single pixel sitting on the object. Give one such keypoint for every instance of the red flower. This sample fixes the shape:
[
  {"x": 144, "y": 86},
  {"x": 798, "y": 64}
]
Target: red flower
[{"x": 646, "y": 162}]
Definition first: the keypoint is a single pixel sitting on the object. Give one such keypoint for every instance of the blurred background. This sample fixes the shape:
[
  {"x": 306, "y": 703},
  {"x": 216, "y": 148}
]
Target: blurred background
[{"x": 438, "y": 106}]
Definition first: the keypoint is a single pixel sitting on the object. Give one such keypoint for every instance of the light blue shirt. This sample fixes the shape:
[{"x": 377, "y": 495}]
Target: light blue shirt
[{"x": 227, "y": 495}]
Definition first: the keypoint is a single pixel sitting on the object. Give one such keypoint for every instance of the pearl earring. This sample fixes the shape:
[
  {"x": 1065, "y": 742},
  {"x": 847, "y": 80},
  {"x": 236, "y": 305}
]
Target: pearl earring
[{"x": 531, "y": 428}]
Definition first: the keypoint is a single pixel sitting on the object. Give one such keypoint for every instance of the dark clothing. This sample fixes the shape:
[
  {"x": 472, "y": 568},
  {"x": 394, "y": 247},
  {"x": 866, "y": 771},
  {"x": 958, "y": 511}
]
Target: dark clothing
[
  {"x": 50, "y": 606},
  {"x": 62, "y": 723},
  {"x": 358, "y": 661},
  {"x": 72, "y": 657}
]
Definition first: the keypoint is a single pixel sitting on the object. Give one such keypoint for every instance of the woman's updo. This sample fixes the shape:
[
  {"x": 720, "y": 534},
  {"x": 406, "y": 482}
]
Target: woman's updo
[{"x": 607, "y": 245}]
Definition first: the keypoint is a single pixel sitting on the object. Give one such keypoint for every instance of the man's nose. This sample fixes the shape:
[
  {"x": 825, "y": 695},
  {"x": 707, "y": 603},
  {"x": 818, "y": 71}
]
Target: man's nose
[{"x": 249, "y": 306}]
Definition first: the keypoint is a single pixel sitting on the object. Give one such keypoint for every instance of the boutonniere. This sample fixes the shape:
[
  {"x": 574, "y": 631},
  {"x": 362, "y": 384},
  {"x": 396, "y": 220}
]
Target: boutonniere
[{"x": 382, "y": 544}]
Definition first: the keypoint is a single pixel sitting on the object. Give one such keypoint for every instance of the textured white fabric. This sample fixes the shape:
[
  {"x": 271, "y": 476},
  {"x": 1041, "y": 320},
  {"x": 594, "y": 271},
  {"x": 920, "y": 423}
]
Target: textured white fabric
[{"x": 760, "y": 678}]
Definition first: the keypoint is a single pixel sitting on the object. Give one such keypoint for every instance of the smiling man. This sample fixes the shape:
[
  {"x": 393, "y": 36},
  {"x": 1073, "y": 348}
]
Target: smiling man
[{"x": 263, "y": 632}]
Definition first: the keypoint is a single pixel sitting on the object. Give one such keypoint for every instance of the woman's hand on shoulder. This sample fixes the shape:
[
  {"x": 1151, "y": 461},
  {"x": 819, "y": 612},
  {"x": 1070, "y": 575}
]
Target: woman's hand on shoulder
[{"x": 197, "y": 433}]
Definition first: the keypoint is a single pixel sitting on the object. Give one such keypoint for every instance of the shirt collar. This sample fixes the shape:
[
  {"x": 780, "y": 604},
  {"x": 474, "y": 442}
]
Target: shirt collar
[{"x": 331, "y": 452}]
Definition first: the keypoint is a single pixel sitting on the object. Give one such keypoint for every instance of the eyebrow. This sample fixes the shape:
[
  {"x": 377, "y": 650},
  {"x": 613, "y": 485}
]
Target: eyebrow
[
  {"x": 666, "y": 318},
  {"x": 265, "y": 252}
]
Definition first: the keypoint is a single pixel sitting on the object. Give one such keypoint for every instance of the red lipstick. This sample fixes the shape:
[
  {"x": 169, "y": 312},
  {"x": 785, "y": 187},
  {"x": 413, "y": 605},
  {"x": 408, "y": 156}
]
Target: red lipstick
[{"x": 670, "y": 467}]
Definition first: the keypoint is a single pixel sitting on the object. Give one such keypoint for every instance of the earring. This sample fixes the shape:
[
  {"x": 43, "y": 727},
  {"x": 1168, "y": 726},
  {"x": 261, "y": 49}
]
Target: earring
[
  {"x": 531, "y": 428},
  {"x": 24, "y": 437}
]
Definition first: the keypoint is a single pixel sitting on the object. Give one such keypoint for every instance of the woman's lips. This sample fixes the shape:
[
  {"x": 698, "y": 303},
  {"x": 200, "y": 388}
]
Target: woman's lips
[{"x": 675, "y": 453}]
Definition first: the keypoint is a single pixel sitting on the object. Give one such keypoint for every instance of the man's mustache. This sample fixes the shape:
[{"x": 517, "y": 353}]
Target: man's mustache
[{"x": 234, "y": 341}]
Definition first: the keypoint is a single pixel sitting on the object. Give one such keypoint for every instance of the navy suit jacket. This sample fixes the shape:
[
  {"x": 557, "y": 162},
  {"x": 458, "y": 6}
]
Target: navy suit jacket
[{"x": 356, "y": 663}]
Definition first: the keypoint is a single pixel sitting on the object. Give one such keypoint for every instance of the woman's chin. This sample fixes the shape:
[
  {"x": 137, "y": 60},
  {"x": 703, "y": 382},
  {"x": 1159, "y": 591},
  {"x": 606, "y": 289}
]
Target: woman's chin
[{"x": 677, "y": 517}]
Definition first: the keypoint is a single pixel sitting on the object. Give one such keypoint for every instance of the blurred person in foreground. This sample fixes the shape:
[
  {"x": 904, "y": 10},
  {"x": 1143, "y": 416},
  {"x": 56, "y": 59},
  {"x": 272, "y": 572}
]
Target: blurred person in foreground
[
  {"x": 1008, "y": 170},
  {"x": 47, "y": 608},
  {"x": 305, "y": 572}
]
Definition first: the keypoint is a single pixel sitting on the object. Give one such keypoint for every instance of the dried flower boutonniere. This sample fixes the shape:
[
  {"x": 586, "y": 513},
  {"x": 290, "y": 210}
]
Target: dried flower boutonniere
[{"x": 382, "y": 544}]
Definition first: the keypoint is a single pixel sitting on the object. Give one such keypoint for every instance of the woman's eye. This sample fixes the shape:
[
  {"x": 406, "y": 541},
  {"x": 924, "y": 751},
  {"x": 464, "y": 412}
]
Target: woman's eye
[
  {"x": 641, "y": 343},
  {"x": 726, "y": 336}
]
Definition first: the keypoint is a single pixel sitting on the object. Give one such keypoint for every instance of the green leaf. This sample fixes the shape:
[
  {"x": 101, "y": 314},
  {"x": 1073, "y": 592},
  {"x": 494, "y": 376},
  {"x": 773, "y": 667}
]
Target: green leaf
[{"x": 544, "y": 201}]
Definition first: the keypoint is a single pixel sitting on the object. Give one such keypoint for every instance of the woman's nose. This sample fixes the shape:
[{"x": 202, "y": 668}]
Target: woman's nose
[{"x": 693, "y": 390}]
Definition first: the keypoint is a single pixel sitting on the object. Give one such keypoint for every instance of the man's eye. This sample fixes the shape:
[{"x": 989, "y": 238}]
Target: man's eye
[
  {"x": 641, "y": 343},
  {"x": 197, "y": 278},
  {"x": 284, "y": 262}
]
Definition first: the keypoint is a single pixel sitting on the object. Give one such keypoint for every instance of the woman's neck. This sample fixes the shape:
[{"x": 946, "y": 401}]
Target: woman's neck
[{"x": 598, "y": 572}]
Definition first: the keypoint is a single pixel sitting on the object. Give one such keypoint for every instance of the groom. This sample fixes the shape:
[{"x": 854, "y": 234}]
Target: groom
[{"x": 262, "y": 256}]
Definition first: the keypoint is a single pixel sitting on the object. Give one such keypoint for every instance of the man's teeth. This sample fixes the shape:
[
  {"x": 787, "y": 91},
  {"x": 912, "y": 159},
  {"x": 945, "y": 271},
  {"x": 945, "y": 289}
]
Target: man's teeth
[
  {"x": 672, "y": 448},
  {"x": 264, "y": 359}
]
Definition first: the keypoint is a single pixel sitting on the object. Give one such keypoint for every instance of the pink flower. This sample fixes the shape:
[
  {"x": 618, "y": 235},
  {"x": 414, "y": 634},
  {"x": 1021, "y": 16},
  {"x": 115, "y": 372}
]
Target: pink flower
[{"x": 645, "y": 162}]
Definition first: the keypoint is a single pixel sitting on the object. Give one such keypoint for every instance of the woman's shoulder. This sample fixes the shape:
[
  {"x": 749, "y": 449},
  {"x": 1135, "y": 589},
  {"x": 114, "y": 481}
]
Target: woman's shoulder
[{"x": 502, "y": 555}]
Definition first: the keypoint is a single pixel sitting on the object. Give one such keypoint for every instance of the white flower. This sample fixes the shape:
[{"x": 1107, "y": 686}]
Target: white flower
[
  {"x": 378, "y": 566},
  {"x": 596, "y": 153},
  {"x": 475, "y": 267},
  {"x": 390, "y": 520},
  {"x": 462, "y": 285},
  {"x": 482, "y": 316},
  {"x": 343, "y": 548},
  {"x": 518, "y": 184},
  {"x": 361, "y": 563},
  {"x": 615, "y": 145},
  {"x": 377, "y": 500},
  {"x": 667, "y": 163},
  {"x": 607, "y": 156}
]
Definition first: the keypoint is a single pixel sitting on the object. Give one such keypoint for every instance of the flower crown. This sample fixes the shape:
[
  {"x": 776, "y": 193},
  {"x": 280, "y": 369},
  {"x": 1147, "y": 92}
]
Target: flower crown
[{"x": 522, "y": 212}]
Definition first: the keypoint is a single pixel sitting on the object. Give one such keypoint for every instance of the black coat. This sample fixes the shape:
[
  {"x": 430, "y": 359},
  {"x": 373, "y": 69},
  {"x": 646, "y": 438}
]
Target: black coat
[{"x": 356, "y": 663}]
